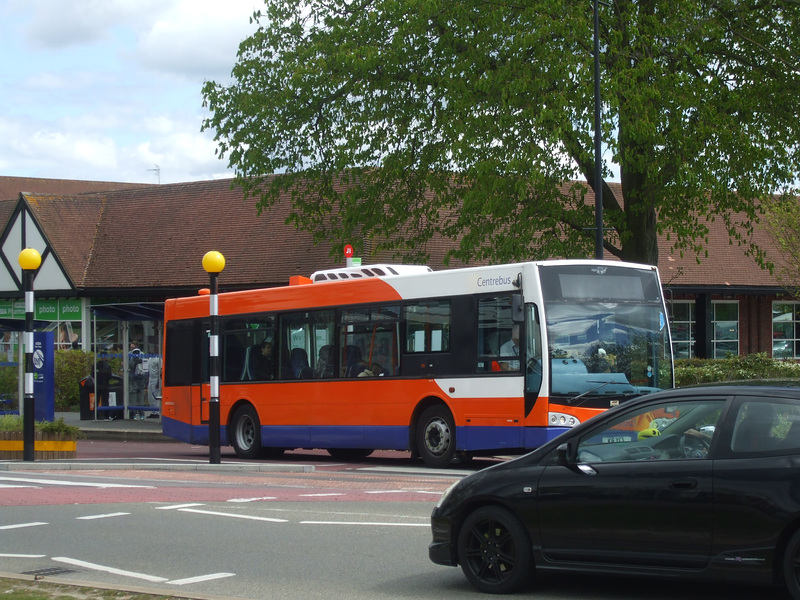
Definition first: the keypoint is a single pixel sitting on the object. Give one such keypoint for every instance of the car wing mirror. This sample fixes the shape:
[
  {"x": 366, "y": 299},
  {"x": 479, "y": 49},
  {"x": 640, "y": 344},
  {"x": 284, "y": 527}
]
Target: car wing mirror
[{"x": 564, "y": 453}]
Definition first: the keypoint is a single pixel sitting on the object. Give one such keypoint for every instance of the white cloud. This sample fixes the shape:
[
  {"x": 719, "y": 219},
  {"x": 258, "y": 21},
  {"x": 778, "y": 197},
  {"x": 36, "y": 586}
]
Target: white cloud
[
  {"x": 106, "y": 89},
  {"x": 81, "y": 22},
  {"x": 197, "y": 39}
]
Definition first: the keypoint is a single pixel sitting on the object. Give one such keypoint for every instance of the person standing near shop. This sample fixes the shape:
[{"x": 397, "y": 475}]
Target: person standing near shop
[
  {"x": 154, "y": 385},
  {"x": 137, "y": 376}
]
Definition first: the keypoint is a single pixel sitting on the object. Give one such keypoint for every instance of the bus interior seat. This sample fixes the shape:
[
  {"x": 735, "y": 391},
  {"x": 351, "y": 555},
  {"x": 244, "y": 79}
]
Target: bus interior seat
[
  {"x": 325, "y": 362},
  {"x": 299, "y": 361},
  {"x": 249, "y": 355},
  {"x": 353, "y": 365}
]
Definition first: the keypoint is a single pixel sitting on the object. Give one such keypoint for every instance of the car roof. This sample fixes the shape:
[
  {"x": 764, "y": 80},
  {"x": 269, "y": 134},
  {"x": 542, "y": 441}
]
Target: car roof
[
  {"x": 756, "y": 388},
  {"x": 786, "y": 382}
]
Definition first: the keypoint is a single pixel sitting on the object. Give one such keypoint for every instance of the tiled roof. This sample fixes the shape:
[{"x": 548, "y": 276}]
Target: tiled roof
[
  {"x": 726, "y": 265},
  {"x": 153, "y": 237},
  {"x": 157, "y": 237},
  {"x": 70, "y": 225},
  {"x": 11, "y": 187}
]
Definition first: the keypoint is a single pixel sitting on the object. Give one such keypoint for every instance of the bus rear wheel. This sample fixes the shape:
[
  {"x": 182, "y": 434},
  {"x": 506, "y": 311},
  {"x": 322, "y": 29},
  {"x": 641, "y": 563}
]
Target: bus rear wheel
[
  {"x": 246, "y": 430},
  {"x": 436, "y": 436}
]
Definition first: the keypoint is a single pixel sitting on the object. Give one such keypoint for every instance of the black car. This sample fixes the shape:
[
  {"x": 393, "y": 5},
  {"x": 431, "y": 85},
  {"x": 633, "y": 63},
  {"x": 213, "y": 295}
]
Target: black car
[{"x": 696, "y": 482}]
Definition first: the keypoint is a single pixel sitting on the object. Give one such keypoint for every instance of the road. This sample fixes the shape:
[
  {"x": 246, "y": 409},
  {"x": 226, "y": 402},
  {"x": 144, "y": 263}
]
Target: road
[{"x": 344, "y": 530}]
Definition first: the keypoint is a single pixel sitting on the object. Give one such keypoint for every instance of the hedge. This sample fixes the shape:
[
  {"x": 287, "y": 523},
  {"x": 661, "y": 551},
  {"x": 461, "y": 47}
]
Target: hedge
[{"x": 694, "y": 371}]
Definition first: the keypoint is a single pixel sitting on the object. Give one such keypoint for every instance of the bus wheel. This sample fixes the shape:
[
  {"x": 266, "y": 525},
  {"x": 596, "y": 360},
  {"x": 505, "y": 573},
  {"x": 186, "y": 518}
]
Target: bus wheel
[
  {"x": 436, "y": 436},
  {"x": 246, "y": 438},
  {"x": 350, "y": 453}
]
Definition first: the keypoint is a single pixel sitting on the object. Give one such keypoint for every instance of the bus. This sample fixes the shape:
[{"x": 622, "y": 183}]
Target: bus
[{"x": 491, "y": 360}]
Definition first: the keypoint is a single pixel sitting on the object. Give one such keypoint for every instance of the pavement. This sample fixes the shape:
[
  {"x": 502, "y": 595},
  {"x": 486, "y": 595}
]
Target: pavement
[{"x": 140, "y": 430}]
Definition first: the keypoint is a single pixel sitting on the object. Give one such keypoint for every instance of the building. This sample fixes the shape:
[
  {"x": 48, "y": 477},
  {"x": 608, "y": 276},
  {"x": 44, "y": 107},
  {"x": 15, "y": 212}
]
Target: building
[{"x": 134, "y": 245}]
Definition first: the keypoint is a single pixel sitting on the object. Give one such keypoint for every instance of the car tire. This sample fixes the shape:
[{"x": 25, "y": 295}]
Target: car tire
[
  {"x": 246, "y": 433},
  {"x": 494, "y": 551},
  {"x": 436, "y": 436},
  {"x": 791, "y": 566}
]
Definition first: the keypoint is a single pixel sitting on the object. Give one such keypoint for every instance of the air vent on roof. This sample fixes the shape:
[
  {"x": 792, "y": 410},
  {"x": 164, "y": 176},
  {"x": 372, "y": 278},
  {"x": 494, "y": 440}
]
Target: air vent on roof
[{"x": 368, "y": 271}]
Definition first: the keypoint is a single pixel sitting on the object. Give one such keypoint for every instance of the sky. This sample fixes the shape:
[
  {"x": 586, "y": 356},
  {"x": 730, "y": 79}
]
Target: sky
[{"x": 110, "y": 90}]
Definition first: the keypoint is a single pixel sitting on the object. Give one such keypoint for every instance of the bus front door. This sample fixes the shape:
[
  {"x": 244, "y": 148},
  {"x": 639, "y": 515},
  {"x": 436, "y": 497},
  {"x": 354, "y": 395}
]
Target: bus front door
[{"x": 200, "y": 412}]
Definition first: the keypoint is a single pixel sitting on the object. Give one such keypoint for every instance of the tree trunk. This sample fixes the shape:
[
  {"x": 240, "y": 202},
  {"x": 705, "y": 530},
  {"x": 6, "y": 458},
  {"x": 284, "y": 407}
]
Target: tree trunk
[{"x": 640, "y": 241}]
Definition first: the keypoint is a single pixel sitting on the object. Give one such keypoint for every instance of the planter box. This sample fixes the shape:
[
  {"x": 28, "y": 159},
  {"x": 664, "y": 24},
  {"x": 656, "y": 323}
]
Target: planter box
[{"x": 46, "y": 446}]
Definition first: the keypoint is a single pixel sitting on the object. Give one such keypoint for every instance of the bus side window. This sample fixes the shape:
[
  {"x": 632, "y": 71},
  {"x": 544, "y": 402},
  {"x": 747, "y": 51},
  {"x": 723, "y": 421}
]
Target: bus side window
[
  {"x": 183, "y": 355},
  {"x": 370, "y": 341},
  {"x": 241, "y": 347},
  {"x": 428, "y": 326},
  {"x": 306, "y": 345},
  {"x": 498, "y": 336}
]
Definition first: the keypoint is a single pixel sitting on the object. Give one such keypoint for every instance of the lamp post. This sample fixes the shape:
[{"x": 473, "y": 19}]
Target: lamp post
[
  {"x": 30, "y": 260},
  {"x": 598, "y": 169},
  {"x": 213, "y": 263}
]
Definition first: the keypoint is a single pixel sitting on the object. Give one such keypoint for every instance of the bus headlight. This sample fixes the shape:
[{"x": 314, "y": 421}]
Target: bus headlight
[{"x": 563, "y": 420}]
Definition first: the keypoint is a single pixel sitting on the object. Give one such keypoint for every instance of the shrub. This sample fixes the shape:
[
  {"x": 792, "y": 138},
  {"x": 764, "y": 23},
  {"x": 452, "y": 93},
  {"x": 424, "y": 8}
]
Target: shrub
[
  {"x": 694, "y": 371},
  {"x": 71, "y": 366},
  {"x": 8, "y": 381},
  {"x": 14, "y": 423}
]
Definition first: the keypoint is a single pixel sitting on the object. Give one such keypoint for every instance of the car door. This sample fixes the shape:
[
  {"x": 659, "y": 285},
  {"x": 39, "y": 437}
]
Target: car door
[
  {"x": 757, "y": 478},
  {"x": 635, "y": 490}
]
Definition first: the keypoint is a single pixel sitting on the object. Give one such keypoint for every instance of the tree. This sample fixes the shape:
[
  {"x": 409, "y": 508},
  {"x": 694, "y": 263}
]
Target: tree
[
  {"x": 399, "y": 121},
  {"x": 782, "y": 219}
]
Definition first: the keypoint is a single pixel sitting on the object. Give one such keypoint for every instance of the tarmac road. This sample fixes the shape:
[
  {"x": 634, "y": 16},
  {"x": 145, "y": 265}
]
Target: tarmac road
[{"x": 131, "y": 512}]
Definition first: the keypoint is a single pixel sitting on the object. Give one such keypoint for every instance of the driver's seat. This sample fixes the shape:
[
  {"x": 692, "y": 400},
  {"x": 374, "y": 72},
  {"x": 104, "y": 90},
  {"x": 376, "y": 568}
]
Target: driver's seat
[{"x": 752, "y": 434}]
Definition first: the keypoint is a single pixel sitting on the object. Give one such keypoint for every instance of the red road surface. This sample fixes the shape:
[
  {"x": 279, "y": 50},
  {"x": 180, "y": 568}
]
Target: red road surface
[{"x": 332, "y": 480}]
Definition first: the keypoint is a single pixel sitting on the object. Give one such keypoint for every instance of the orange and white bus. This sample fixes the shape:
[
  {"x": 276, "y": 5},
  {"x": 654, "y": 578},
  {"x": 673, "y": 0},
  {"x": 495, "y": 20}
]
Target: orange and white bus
[{"x": 484, "y": 360}]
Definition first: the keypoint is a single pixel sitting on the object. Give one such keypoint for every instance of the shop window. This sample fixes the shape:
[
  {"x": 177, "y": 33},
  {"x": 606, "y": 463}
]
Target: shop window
[
  {"x": 682, "y": 327},
  {"x": 726, "y": 329},
  {"x": 786, "y": 330}
]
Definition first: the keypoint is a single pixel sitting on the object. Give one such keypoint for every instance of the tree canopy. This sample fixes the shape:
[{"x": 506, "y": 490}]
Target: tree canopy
[
  {"x": 782, "y": 221},
  {"x": 400, "y": 121}
]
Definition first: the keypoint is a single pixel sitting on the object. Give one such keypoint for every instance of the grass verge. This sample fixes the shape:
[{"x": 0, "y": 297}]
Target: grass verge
[{"x": 21, "y": 589}]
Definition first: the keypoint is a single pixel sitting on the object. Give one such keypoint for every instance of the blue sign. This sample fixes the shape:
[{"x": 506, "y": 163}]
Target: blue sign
[{"x": 44, "y": 376}]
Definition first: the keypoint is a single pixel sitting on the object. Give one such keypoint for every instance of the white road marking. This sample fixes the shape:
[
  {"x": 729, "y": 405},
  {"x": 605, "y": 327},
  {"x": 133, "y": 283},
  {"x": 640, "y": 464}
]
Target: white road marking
[
  {"x": 12, "y": 487},
  {"x": 221, "y": 514},
  {"x": 22, "y": 555},
  {"x": 105, "y": 516},
  {"x": 252, "y": 499},
  {"x": 21, "y": 525},
  {"x": 374, "y": 524},
  {"x": 272, "y": 520},
  {"x": 177, "y": 506},
  {"x": 145, "y": 576},
  {"x": 200, "y": 578},
  {"x": 112, "y": 570},
  {"x": 74, "y": 483}
]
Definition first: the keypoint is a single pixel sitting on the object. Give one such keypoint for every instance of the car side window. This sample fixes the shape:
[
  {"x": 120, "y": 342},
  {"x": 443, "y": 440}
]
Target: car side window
[
  {"x": 766, "y": 427},
  {"x": 669, "y": 431}
]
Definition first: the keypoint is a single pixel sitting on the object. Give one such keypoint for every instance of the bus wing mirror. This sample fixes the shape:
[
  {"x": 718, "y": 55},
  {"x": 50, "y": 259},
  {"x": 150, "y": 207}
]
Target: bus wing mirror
[{"x": 517, "y": 308}]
